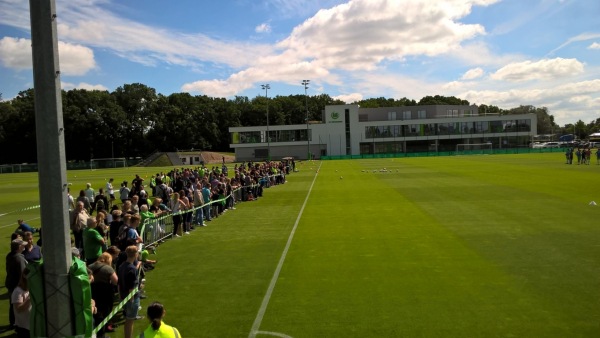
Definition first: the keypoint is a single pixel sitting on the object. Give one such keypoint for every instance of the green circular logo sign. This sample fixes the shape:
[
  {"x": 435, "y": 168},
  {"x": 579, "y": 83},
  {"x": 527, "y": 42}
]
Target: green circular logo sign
[{"x": 335, "y": 115}]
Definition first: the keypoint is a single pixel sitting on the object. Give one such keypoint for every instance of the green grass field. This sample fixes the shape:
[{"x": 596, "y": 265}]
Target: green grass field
[{"x": 466, "y": 246}]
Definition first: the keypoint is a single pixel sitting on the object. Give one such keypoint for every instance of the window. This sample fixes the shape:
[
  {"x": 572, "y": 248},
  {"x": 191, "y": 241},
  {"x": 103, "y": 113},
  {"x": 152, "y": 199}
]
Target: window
[
  {"x": 413, "y": 130},
  {"x": 421, "y": 114},
  {"x": 391, "y": 115},
  {"x": 482, "y": 127},
  {"x": 467, "y": 127},
  {"x": 429, "y": 129},
  {"x": 250, "y": 137},
  {"x": 496, "y": 126},
  {"x": 370, "y": 132},
  {"x": 406, "y": 115},
  {"x": 448, "y": 128},
  {"x": 510, "y": 126},
  {"x": 524, "y": 125}
]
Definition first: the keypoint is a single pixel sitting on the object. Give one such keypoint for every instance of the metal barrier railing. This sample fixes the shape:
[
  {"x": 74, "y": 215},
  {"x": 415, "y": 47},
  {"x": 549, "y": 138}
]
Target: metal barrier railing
[{"x": 155, "y": 230}]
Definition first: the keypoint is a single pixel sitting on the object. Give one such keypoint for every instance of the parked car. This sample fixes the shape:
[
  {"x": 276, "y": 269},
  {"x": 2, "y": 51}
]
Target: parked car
[
  {"x": 594, "y": 144},
  {"x": 551, "y": 145}
]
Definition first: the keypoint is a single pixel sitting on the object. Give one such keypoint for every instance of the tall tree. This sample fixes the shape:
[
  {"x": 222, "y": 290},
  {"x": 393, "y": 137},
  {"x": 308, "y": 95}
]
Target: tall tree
[
  {"x": 383, "y": 102},
  {"x": 9, "y": 117},
  {"x": 438, "y": 99},
  {"x": 20, "y": 129},
  {"x": 581, "y": 131},
  {"x": 138, "y": 101},
  {"x": 94, "y": 125}
]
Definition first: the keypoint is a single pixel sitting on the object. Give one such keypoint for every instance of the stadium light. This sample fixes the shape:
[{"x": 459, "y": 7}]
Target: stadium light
[
  {"x": 266, "y": 87},
  {"x": 305, "y": 84}
]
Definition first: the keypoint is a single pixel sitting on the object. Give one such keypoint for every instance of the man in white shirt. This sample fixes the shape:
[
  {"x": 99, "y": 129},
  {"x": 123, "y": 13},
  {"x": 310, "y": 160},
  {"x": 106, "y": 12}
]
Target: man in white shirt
[{"x": 110, "y": 191}]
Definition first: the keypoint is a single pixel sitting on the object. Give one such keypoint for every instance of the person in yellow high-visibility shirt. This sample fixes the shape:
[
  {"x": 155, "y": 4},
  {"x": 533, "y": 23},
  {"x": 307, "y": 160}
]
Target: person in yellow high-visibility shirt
[{"x": 157, "y": 329}]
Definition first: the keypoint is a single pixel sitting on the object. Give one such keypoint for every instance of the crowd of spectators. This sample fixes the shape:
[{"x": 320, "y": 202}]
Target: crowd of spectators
[{"x": 107, "y": 234}]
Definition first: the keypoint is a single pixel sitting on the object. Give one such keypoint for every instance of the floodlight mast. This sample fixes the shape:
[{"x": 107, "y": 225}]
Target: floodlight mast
[
  {"x": 305, "y": 84},
  {"x": 266, "y": 87},
  {"x": 52, "y": 169}
]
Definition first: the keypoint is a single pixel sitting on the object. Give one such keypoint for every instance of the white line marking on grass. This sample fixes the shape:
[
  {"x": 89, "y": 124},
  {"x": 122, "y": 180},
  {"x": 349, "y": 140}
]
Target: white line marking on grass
[
  {"x": 263, "y": 307},
  {"x": 276, "y": 334}
]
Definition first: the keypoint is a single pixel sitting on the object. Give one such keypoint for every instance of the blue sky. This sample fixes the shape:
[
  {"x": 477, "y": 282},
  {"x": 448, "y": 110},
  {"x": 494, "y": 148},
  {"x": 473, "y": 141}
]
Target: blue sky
[{"x": 501, "y": 52}]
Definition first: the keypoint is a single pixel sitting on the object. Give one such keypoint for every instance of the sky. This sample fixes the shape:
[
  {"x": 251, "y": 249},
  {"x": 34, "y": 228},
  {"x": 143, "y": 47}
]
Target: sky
[{"x": 507, "y": 53}]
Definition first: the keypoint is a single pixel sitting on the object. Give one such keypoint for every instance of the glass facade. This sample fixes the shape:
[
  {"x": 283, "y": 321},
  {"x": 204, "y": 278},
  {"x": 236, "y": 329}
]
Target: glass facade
[
  {"x": 274, "y": 136},
  {"x": 448, "y": 128}
]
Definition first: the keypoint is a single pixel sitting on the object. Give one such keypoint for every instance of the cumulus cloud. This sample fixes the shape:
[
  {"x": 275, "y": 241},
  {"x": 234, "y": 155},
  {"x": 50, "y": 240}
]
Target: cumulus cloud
[
  {"x": 472, "y": 74},
  {"x": 74, "y": 59},
  {"x": 349, "y": 98},
  {"x": 360, "y": 35},
  {"x": 263, "y": 28},
  {"x": 363, "y": 33},
  {"x": 568, "y": 102},
  {"x": 267, "y": 70},
  {"x": 594, "y": 45},
  {"x": 82, "y": 85},
  {"x": 539, "y": 70},
  {"x": 15, "y": 53},
  {"x": 453, "y": 85}
]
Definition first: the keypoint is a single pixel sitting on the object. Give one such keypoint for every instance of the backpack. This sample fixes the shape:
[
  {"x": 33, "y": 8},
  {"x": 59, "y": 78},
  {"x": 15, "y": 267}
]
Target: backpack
[
  {"x": 100, "y": 205},
  {"x": 161, "y": 191},
  {"x": 121, "y": 240}
]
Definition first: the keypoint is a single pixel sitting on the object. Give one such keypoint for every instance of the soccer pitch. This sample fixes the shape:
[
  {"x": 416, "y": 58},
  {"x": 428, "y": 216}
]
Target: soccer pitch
[{"x": 465, "y": 246}]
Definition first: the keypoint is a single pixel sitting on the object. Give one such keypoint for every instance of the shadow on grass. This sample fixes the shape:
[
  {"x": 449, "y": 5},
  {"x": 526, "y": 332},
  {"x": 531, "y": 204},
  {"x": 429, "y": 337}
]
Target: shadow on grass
[{"x": 7, "y": 331}]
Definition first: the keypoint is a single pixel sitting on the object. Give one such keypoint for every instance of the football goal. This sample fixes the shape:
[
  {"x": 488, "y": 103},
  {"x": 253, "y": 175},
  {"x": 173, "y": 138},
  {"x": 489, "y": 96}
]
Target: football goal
[
  {"x": 6, "y": 168},
  {"x": 474, "y": 148},
  {"x": 102, "y": 163}
]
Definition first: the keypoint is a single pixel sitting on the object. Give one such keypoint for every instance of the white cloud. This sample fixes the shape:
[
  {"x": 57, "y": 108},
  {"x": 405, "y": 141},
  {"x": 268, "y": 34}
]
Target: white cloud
[
  {"x": 74, "y": 59},
  {"x": 577, "y": 38},
  {"x": 478, "y": 53},
  {"x": 263, "y": 28},
  {"x": 472, "y": 74},
  {"x": 539, "y": 70},
  {"x": 15, "y": 53},
  {"x": 268, "y": 69},
  {"x": 567, "y": 102},
  {"x": 454, "y": 85},
  {"x": 82, "y": 85},
  {"x": 298, "y": 8},
  {"x": 361, "y": 34},
  {"x": 594, "y": 45},
  {"x": 85, "y": 22},
  {"x": 349, "y": 98}
]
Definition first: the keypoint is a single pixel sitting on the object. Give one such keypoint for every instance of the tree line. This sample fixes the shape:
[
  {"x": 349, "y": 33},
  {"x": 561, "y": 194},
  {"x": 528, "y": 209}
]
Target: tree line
[{"x": 134, "y": 121}]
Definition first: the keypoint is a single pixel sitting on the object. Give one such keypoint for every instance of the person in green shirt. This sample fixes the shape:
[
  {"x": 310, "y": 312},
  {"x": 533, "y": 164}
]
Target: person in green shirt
[
  {"x": 92, "y": 242},
  {"x": 145, "y": 213},
  {"x": 156, "y": 312}
]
